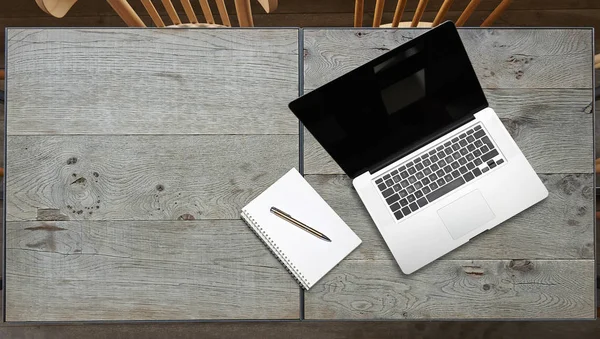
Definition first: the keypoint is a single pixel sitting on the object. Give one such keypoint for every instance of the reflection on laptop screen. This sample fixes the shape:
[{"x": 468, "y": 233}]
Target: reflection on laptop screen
[{"x": 388, "y": 106}]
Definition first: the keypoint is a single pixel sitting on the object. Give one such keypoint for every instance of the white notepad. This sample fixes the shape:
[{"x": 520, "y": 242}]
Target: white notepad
[{"x": 306, "y": 256}]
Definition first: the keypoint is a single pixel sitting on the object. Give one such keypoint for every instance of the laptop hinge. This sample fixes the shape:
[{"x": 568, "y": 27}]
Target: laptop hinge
[{"x": 420, "y": 143}]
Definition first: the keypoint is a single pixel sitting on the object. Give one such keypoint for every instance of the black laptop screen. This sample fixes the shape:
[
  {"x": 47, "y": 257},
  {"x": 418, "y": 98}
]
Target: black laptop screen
[{"x": 389, "y": 106}]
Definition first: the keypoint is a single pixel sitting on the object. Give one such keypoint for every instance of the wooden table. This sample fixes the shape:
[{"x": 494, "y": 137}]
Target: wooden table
[{"x": 131, "y": 151}]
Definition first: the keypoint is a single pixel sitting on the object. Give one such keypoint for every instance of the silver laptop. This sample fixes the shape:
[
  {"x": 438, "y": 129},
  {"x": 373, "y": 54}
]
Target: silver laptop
[{"x": 432, "y": 163}]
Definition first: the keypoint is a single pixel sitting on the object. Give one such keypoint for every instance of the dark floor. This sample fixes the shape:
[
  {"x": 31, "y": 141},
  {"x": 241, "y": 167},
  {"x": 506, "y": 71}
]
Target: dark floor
[{"x": 305, "y": 13}]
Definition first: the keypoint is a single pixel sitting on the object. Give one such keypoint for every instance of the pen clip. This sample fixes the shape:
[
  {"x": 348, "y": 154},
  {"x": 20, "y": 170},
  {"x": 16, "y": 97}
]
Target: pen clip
[{"x": 277, "y": 210}]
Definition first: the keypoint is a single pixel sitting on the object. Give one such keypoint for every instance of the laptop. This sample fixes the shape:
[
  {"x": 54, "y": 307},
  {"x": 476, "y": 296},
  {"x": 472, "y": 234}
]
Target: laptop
[{"x": 430, "y": 160}]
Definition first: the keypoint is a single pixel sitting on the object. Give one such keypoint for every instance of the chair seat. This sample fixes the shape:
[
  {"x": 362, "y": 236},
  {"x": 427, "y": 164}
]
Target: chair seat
[
  {"x": 406, "y": 24},
  {"x": 197, "y": 25}
]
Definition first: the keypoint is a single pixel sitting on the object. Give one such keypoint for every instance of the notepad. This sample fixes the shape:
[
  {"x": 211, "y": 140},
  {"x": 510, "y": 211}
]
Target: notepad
[{"x": 307, "y": 257}]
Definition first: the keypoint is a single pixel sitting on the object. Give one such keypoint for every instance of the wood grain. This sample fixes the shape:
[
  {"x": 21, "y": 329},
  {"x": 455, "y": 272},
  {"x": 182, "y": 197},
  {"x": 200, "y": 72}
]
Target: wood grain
[
  {"x": 158, "y": 177},
  {"x": 129, "y": 82},
  {"x": 131, "y": 270},
  {"x": 553, "y": 128},
  {"x": 456, "y": 289},
  {"x": 561, "y": 227},
  {"x": 502, "y": 58}
]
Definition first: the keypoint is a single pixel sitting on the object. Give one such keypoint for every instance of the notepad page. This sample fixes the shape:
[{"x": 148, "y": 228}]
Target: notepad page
[{"x": 311, "y": 256}]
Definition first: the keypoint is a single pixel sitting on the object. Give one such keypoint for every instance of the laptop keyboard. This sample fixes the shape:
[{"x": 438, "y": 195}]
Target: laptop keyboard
[{"x": 438, "y": 171}]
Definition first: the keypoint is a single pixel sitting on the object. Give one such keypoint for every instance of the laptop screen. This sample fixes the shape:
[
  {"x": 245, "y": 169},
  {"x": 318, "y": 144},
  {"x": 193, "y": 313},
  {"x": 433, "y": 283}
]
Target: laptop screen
[{"x": 390, "y": 106}]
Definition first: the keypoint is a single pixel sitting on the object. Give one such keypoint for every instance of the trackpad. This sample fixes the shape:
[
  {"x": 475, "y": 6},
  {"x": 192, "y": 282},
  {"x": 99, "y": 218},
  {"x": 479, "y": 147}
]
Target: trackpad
[{"x": 466, "y": 214}]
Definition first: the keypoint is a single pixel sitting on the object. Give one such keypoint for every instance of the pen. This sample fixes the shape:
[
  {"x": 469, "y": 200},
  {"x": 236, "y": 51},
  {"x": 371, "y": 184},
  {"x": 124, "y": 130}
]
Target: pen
[{"x": 301, "y": 225}]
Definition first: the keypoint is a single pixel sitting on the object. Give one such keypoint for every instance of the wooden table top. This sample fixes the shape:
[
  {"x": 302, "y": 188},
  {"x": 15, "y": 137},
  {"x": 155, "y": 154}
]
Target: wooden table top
[{"x": 130, "y": 153}]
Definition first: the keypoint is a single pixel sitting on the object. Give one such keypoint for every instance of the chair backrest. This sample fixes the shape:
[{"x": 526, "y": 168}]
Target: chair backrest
[
  {"x": 59, "y": 8},
  {"x": 416, "y": 19}
]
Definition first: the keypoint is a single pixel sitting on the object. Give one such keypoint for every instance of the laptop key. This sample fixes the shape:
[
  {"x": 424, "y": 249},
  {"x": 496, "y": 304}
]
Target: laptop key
[
  {"x": 469, "y": 176},
  {"x": 379, "y": 181},
  {"x": 440, "y": 182},
  {"x": 478, "y": 127},
  {"x": 462, "y": 136},
  {"x": 447, "y": 169},
  {"x": 440, "y": 173},
  {"x": 392, "y": 199},
  {"x": 470, "y": 131},
  {"x": 425, "y": 181},
  {"x": 464, "y": 151},
  {"x": 487, "y": 141},
  {"x": 470, "y": 138},
  {"x": 462, "y": 161},
  {"x": 413, "y": 206},
  {"x": 404, "y": 174},
  {"x": 418, "y": 194},
  {"x": 499, "y": 161},
  {"x": 478, "y": 143},
  {"x": 470, "y": 147},
  {"x": 477, "y": 153},
  {"x": 395, "y": 206},
  {"x": 484, "y": 149},
  {"x": 470, "y": 157},
  {"x": 448, "y": 159},
  {"x": 455, "y": 174},
  {"x": 491, "y": 163},
  {"x": 386, "y": 177},
  {"x": 455, "y": 147},
  {"x": 463, "y": 143},
  {"x": 397, "y": 187},
  {"x": 389, "y": 182},
  {"x": 382, "y": 187},
  {"x": 470, "y": 166},
  {"x": 456, "y": 155},
  {"x": 434, "y": 167},
  {"x": 455, "y": 139},
  {"x": 477, "y": 172},
  {"x": 403, "y": 202},
  {"x": 433, "y": 186},
  {"x": 478, "y": 134},
  {"x": 427, "y": 171},
  {"x": 394, "y": 172},
  {"x": 426, "y": 162},
  {"x": 478, "y": 162},
  {"x": 434, "y": 158},
  {"x": 403, "y": 193},
  {"x": 419, "y": 175},
  {"x": 439, "y": 148},
  {"x": 411, "y": 170},
  {"x": 402, "y": 168},
  {"x": 422, "y": 202},
  {"x": 410, "y": 198},
  {"x": 441, "y": 163},
  {"x": 398, "y": 215},
  {"x": 455, "y": 165},
  {"x": 448, "y": 178},
  {"x": 446, "y": 189},
  {"x": 489, "y": 155},
  {"x": 410, "y": 190},
  {"x": 412, "y": 180},
  {"x": 433, "y": 177},
  {"x": 404, "y": 183},
  {"x": 408, "y": 164},
  {"x": 388, "y": 192},
  {"x": 485, "y": 169},
  {"x": 418, "y": 186},
  {"x": 396, "y": 178},
  {"x": 432, "y": 152},
  {"x": 448, "y": 144},
  {"x": 426, "y": 190},
  {"x": 406, "y": 210},
  {"x": 463, "y": 170}
]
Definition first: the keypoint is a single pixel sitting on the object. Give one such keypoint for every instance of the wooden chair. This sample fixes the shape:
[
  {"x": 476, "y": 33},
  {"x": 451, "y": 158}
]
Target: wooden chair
[
  {"x": 58, "y": 8},
  {"x": 416, "y": 19}
]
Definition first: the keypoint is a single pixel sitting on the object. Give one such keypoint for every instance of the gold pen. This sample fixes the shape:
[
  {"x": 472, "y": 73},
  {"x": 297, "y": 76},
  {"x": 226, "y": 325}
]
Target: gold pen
[{"x": 301, "y": 225}]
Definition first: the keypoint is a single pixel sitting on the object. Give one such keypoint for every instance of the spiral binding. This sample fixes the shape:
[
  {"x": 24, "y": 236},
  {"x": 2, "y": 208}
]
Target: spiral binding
[{"x": 273, "y": 248}]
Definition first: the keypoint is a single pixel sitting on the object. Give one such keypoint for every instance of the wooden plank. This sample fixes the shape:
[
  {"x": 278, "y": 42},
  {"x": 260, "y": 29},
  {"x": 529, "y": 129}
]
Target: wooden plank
[
  {"x": 552, "y": 127},
  {"x": 456, "y": 289},
  {"x": 13, "y": 8},
  {"x": 128, "y": 270},
  {"x": 129, "y": 81},
  {"x": 159, "y": 177},
  {"x": 561, "y": 226},
  {"x": 505, "y": 58}
]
